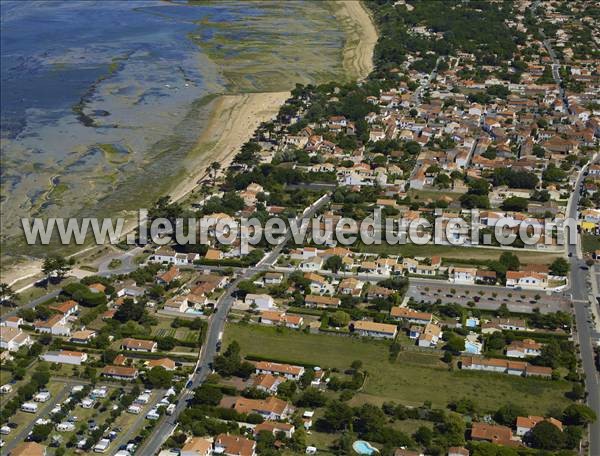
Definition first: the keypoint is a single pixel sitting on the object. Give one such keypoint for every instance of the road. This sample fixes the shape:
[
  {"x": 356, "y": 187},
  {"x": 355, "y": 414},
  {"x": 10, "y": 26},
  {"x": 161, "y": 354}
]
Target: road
[
  {"x": 581, "y": 305},
  {"x": 216, "y": 325}
]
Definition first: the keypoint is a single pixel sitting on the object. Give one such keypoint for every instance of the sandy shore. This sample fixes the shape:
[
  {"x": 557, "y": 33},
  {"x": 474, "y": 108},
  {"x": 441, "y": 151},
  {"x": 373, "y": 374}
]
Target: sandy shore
[
  {"x": 362, "y": 37},
  {"x": 232, "y": 123},
  {"x": 234, "y": 119}
]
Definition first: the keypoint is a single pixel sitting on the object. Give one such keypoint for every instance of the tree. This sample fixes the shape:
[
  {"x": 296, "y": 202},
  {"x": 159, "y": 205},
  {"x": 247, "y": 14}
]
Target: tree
[
  {"x": 340, "y": 318},
  {"x": 560, "y": 267},
  {"x": 510, "y": 261},
  {"x": 545, "y": 436},
  {"x": 159, "y": 377},
  {"x": 423, "y": 435},
  {"x": 337, "y": 417},
  {"x": 214, "y": 167},
  {"x": 455, "y": 344},
  {"x": 312, "y": 397},
  {"x": 515, "y": 203},
  {"x": 130, "y": 310},
  {"x": 579, "y": 415},
  {"x": 370, "y": 419},
  {"x": 56, "y": 266},
  {"x": 207, "y": 394},
  {"x": 7, "y": 295},
  {"x": 507, "y": 414},
  {"x": 40, "y": 432},
  {"x": 333, "y": 263}
]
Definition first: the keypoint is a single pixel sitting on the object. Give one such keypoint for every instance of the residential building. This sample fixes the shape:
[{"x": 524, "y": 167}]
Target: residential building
[
  {"x": 526, "y": 280},
  {"x": 166, "y": 363},
  {"x": 499, "y": 435},
  {"x": 275, "y": 428},
  {"x": 372, "y": 329},
  {"x": 267, "y": 383},
  {"x": 12, "y": 339},
  {"x": 83, "y": 336},
  {"x": 321, "y": 302},
  {"x": 270, "y": 408},
  {"x": 411, "y": 316},
  {"x": 272, "y": 317},
  {"x": 139, "y": 345},
  {"x": 260, "y": 301},
  {"x": 65, "y": 357},
  {"x": 527, "y": 423},
  {"x": 12, "y": 322},
  {"x": 430, "y": 336},
  {"x": 120, "y": 372},
  {"x": 197, "y": 446},
  {"x": 56, "y": 325},
  {"x": 67, "y": 308},
  {"x": 524, "y": 348},
  {"x": 234, "y": 445},
  {"x": 285, "y": 370}
]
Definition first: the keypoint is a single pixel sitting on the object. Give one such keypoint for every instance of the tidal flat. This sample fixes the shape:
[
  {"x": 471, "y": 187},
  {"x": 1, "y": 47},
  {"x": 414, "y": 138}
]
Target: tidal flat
[{"x": 105, "y": 103}]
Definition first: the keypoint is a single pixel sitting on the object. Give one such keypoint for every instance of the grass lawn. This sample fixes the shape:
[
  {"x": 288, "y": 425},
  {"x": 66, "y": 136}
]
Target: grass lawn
[
  {"x": 590, "y": 243},
  {"x": 411, "y": 380}
]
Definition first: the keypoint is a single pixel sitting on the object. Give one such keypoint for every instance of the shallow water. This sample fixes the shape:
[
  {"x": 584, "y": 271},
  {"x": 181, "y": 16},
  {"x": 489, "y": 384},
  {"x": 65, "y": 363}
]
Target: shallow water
[{"x": 101, "y": 101}]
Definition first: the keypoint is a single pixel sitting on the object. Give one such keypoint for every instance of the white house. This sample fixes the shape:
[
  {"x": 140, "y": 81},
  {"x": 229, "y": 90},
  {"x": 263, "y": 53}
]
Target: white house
[
  {"x": 527, "y": 280},
  {"x": 12, "y": 322},
  {"x": 464, "y": 275},
  {"x": 286, "y": 370},
  {"x": 56, "y": 325},
  {"x": 524, "y": 348},
  {"x": 261, "y": 301},
  {"x": 176, "y": 304},
  {"x": 312, "y": 264},
  {"x": 373, "y": 329},
  {"x": 65, "y": 357},
  {"x": 12, "y": 339},
  {"x": 430, "y": 336}
]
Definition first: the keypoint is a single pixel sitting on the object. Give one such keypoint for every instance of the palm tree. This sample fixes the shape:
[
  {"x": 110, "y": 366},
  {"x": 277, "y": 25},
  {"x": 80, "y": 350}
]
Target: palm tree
[{"x": 214, "y": 167}]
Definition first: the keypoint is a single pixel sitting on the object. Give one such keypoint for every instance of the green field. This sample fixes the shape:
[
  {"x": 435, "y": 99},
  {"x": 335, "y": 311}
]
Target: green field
[
  {"x": 473, "y": 253},
  {"x": 411, "y": 380}
]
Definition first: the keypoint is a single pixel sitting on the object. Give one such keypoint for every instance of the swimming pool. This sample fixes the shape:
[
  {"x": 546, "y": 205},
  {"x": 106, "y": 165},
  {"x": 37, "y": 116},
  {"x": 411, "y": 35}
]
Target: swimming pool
[{"x": 363, "y": 447}]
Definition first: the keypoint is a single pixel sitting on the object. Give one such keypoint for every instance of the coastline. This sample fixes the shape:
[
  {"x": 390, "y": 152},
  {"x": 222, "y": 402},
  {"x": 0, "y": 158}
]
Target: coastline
[
  {"x": 362, "y": 37},
  {"x": 233, "y": 120}
]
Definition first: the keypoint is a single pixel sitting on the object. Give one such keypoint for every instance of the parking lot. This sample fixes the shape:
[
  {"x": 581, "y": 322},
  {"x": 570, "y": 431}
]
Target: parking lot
[{"x": 487, "y": 297}]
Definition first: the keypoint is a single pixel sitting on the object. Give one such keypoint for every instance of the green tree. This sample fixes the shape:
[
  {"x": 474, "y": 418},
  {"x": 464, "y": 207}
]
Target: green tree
[
  {"x": 545, "y": 436},
  {"x": 7, "y": 295},
  {"x": 333, "y": 263},
  {"x": 159, "y": 377},
  {"x": 560, "y": 267},
  {"x": 579, "y": 415},
  {"x": 207, "y": 394},
  {"x": 339, "y": 318},
  {"x": 507, "y": 414},
  {"x": 56, "y": 266},
  {"x": 510, "y": 261}
]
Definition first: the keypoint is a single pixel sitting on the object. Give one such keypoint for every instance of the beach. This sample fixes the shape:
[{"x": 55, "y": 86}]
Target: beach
[
  {"x": 233, "y": 120},
  {"x": 232, "y": 123}
]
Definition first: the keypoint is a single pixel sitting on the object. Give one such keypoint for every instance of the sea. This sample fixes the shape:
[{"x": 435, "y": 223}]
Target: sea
[{"x": 102, "y": 100}]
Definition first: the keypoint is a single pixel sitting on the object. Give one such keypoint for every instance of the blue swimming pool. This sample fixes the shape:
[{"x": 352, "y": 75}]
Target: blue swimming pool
[{"x": 363, "y": 447}]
